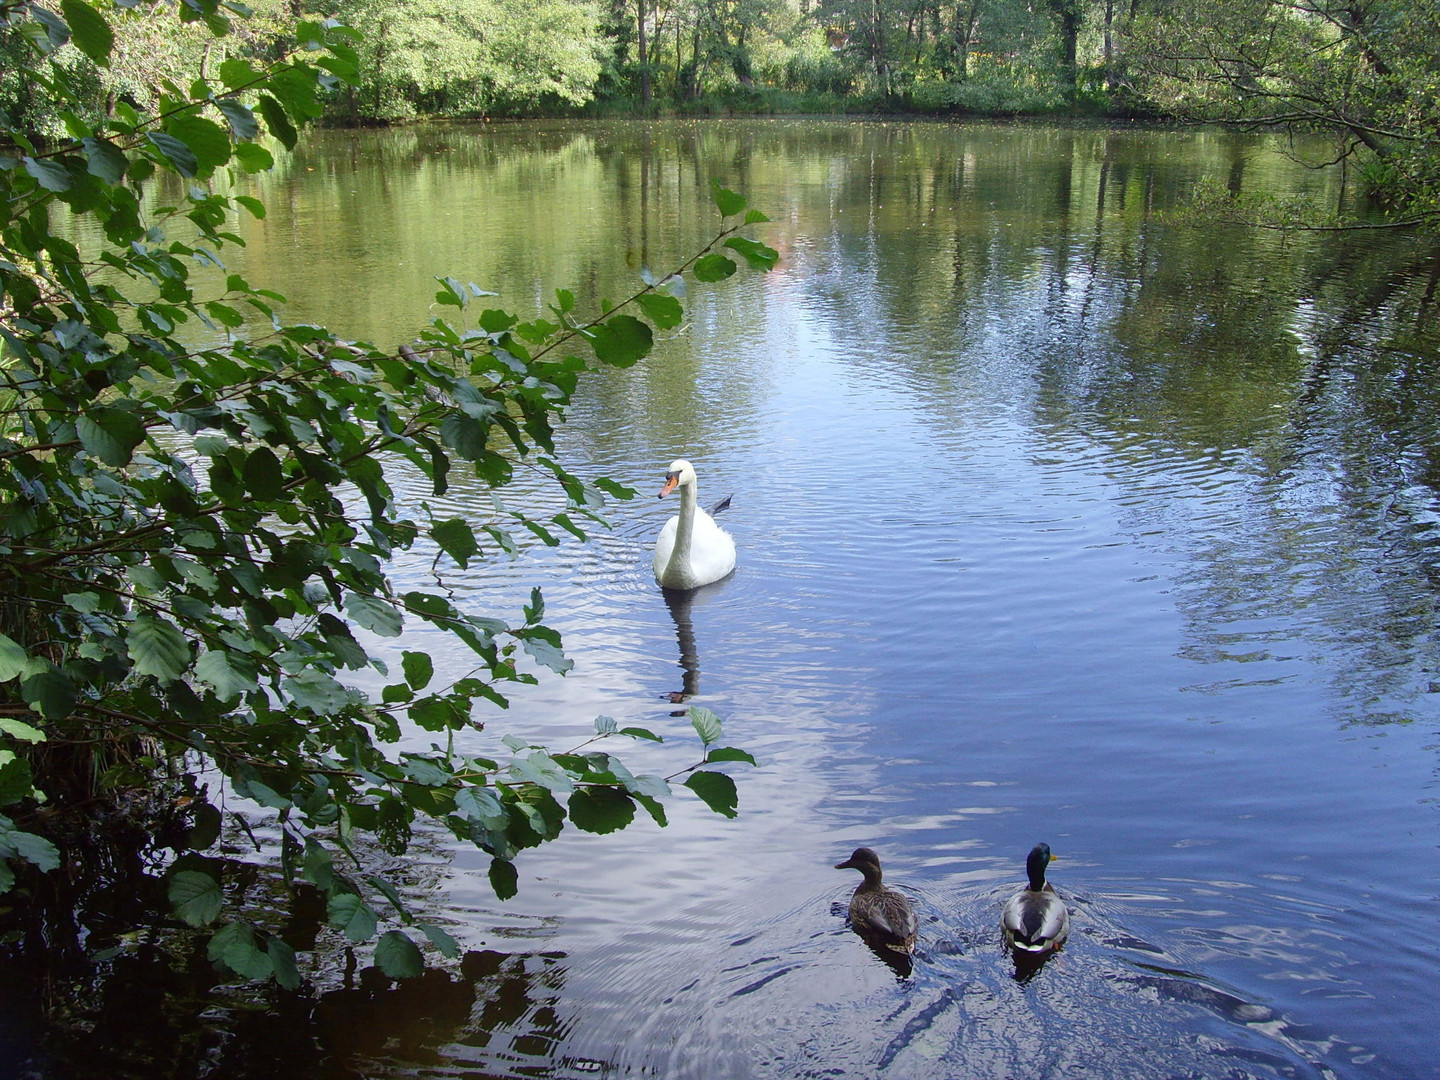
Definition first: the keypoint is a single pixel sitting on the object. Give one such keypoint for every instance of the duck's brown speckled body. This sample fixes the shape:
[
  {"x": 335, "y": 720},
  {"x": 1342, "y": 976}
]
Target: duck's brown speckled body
[{"x": 880, "y": 915}]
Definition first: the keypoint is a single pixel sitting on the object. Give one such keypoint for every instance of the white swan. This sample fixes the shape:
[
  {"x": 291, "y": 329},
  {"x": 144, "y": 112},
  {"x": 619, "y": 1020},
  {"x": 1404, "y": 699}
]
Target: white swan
[{"x": 691, "y": 550}]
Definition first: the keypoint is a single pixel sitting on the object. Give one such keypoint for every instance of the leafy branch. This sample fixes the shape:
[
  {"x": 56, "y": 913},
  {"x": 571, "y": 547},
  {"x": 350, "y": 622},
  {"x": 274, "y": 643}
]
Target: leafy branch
[{"x": 194, "y": 541}]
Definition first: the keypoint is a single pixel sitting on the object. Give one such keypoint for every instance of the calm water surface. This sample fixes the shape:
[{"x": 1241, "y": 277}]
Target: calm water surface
[{"x": 1057, "y": 521}]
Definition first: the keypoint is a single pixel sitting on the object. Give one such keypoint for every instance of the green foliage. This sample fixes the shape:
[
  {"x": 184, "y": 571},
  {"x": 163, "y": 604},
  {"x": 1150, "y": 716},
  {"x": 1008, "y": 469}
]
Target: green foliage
[
  {"x": 1366, "y": 73},
  {"x": 470, "y": 56},
  {"x": 196, "y": 516}
]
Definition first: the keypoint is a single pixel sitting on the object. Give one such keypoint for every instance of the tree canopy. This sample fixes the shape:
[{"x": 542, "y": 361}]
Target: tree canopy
[{"x": 1368, "y": 73}]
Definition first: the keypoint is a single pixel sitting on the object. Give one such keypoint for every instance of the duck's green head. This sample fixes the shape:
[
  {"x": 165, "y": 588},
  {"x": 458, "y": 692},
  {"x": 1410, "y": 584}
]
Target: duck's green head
[{"x": 1035, "y": 864}]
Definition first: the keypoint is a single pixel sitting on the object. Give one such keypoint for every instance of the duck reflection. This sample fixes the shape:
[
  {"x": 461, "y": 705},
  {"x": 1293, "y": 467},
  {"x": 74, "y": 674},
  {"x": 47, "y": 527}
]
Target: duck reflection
[{"x": 1027, "y": 965}]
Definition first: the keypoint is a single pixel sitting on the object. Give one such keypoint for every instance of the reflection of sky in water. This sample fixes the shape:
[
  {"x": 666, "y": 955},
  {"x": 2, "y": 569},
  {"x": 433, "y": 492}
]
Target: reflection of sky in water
[{"x": 1041, "y": 536}]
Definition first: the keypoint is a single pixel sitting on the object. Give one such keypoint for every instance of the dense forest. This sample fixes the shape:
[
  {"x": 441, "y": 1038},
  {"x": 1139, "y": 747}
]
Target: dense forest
[{"x": 1367, "y": 72}]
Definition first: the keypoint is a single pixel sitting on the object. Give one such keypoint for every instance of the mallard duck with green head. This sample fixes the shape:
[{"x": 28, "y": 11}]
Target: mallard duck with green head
[
  {"x": 882, "y": 916},
  {"x": 1035, "y": 920}
]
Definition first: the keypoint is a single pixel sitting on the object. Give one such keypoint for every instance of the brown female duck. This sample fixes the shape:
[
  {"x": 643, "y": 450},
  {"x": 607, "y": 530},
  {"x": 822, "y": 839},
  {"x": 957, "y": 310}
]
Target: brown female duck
[{"x": 882, "y": 916}]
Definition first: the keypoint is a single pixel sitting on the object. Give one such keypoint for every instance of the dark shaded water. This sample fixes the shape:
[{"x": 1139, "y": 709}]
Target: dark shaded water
[{"x": 1056, "y": 521}]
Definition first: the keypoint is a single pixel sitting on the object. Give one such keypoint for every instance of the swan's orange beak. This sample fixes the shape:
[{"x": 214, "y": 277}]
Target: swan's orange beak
[{"x": 672, "y": 481}]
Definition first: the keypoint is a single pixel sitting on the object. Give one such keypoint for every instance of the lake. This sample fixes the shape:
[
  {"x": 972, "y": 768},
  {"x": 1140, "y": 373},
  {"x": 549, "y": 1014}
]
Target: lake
[{"x": 1059, "y": 518}]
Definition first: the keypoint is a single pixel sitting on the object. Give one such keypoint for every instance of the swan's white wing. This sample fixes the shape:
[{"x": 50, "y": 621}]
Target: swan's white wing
[
  {"x": 712, "y": 550},
  {"x": 664, "y": 545}
]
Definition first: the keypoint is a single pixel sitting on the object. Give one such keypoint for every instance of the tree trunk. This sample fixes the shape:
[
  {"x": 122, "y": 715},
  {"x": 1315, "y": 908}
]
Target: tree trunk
[
  {"x": 1067, "y": 13},
  {"x": 966, "y": 15},
  {"x": 644, "y": 58},
  {"x": 1109, "y": 45}
]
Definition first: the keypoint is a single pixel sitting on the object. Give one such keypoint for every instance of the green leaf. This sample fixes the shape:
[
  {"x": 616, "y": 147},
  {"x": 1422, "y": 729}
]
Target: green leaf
[
  {"x": 605, "y": 725},
  {"x": 758, "y": 255},
  {"x": 263, "y": 475},
  {"x": 56, "y": 32},
  {"x": 457, "y": 540},
  {"x": 49, "y": 692},
  {"x": 548, "y": 654},
  {"x": 224, "y": 314},
  {"x": 110, "y": 434},
  {"x": 707, "y": 725},
  {"x": 728, "y": 201},
  {"x": 317, "y": 866},
  {"x": 350, "y": 914},
  {"x": 398, "y": 957},
  {"x": 713, "y": 267},
  {"x": 17, "y": 844},
  {"x": 282, "y": 960},
  {"x": 228, "y": 674},
  {"x": 663, "y": 310},
  {"x": 641, "y": 733},
  {"x": 621, "y": 341},
  {"x": 278, "y": 123},
  {"x": 392, "y": 894},
  {"x": 105, "y": 159},
  {"x": 729, "y": 753},
  {"x": 205, "y": 827},
  {"x": 240, "y": 117},
  {"x": 236, "y": 72},
  {"x": 206, "y": 140},
  {"x": 90, "y": 33},
  {"x": 196, "y": 897},
  {"x": 225, "y": 937},
  {"x": 157, "y": 647},
  {"x": 601, "y": 809},
  {"x": 419, "y": 669},
  {"x": 253, "y": 157},
  {"x": 440, "y": 939},
  {"x": 652, "y": 786},
  {"x": 437, "y": 714},
  {"x": 22, "y": 731},
  {"x": 13, "y": 658},
  {"x": 295, "y": 87},
  {"x": 50, "y": 175},
  {"x": 17, "y": 779},
  {"x": 541, "y": 769},
  {"x": 754, "y": 217},
  {"x": 654, "y": 808},
  {"x": 321, "y": 693},
  {"x": 480, "y": 804},
  {"x": 242, "y": 956},
  {"x": 503, "y": 878},
  {"x": 173, "y": 150},
  {"x": 374, "y": 614},
  {"x": 255, "y": 206},
  {"x": 717, "y": 790}
]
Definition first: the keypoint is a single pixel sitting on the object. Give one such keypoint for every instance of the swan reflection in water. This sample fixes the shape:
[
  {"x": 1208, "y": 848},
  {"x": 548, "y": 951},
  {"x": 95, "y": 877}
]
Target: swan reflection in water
[{"x": 681, "y": 603}]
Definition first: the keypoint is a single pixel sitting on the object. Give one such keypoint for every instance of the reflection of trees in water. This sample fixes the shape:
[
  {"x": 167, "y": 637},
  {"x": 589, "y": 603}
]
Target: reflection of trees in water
[
  {"x": 1267, "y": 406},
  {"x": 112, "y": 1001}
]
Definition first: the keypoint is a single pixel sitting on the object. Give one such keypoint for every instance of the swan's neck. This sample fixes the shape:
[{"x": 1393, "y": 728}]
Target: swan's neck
[{"x": 685, "y": 530}]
